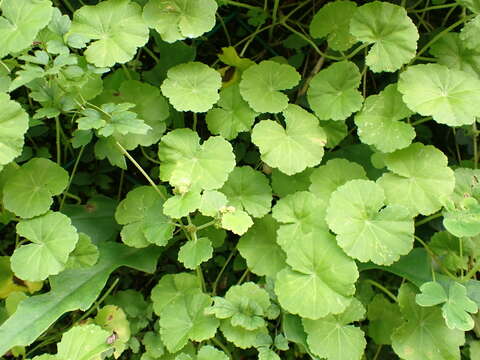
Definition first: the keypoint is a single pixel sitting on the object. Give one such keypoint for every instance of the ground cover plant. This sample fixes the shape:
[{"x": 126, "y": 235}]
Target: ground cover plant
[{"x": 201, "y": 179}]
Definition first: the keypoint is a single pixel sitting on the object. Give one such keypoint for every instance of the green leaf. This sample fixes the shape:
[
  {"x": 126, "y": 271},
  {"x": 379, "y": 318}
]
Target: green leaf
[
  {"x": 393, "y": 35},
  {"x": 295, "y": 148},
  {"x": 333, "y": 338},
  {"x": 469, "y": 33},
  {"x": 432, "y": 293},
  {"x": 142, "y": 216},
  {"x": 30, "y": 190},
  {"x": 208, "y": 352},
  {"x": 52, "y": 238},
  {"x": 465, "y": 220},
  {"x": 107, "y": 148},
  {"x": 138, "y": 311},
  {"x": 181, "y": 205},
  {"x": 333, "y": 93},
  {"x": 85, "y": 342},
  {"x": 84, "y": 255},
  {"x": 212, "y": 202},
  {"x": 336, "y": 172},
  {"x": 284, "y": 185},
  {"x": 184, "y": 319},
  {"x": 195, "y": 252},
  {"x": 13, "y": 125},
  {"x": 448, "y": 95},
  {"x": 114, "y": 319},
  {"x": 259, "y": 248},
  {"x": 116, "y": 29},
  {"x": 261, "y": 86},
  {"x": 150, "y": 106},
  {"x": 420, "y": 178},
  {"x": 170, "y": 288},
  {"x": 71, "y": 290},
  {"x": 241, "y": 337},
  {"x": 472, "y": 5},
  {"x": 423, "y": 334},
  {"x": 333, "y": 21},
  {"x": 378, "y": 123},
  {"x": 383, "y": 318},
  {"x": 186, "y": 163},
  {"x": 300, "y": 213},
  {"x": 366, "y": 230},
  {"x": 267, "y": 354},
  {"x": 192, "y": 86},
  {"x": 249, "y": 190},
  {"x": 321, "y": 278},
  {"x": 237, "y": 221},
  {"x": 20, "y": 22},
  {"x": 451, "y": 51},
  {"x": 179, "y": 19},
  {"x": 232, "y": 116}
]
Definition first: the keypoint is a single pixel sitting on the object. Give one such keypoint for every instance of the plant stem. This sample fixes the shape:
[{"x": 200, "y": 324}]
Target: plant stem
[
  {"x": 435, "y": 257},
  {"x": 74, "y": 170},
  {"x": 151, "y": 54},
  {"x": 428, "y": 219},
  {"x": 203, "y": 226},
  {"x": 434, "y": 7},
  {"x": 475, "y": 144},
  {"x": 57, "y": 136},
  {"x": 383, "y": 288},
  {"x": 274, "y": 19},
  {"x": 239, "y": 4},
  {"x": 222, "y": 346},
  {"x": 473, "y": 271},
  {"x": 244, "y": 275},
  {"x": 421, "y": 121},
  {"x": 127, "y": 72},
  {"x": 222, "y": 270},
  {"x": 143, "y": 172}
]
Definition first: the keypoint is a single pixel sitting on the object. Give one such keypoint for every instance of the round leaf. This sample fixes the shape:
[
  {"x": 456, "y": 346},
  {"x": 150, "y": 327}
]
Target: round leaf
[
  {"x": 13, "y": 126},
  {"x": 393, "y": 35},
  {"x": 365, "y": 229},
  {"x": 249, "y": 190},
  {"x": 236, "y": 221},
  {"x": 449, "y": 96},
  {"x": 261, "y": 86},
  {"x": 116, "y": 28},
  {"x": 232, "y": 116},
  {"x": 333, "y": 93},
  {"x": 195, "y": 252},
  {"x": 321, "y": 278},
  {"x": 192, "y": 86},
  {"x": 420, "y": 178},
  {"x": 52, "y": 238},
  {"x": 295, "y": 148},
  {"x": 183, "y": 204},
  {"x": 469, "y": 34},
  {"x": 378, "y": 123},
  {"x": 83, "y": 343},
  {"x": 179, "y": 19},
  {"x": 84, "y": 255},
  {"x": 30, "y": 190}
]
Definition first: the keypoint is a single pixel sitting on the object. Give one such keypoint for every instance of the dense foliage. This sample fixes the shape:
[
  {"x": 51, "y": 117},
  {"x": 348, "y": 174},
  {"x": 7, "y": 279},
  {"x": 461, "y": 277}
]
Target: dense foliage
[{"x": 214, "y": 180}]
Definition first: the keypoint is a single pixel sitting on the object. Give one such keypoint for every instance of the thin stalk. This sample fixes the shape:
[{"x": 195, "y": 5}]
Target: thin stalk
[
  {"x": 428, "y": 219},
  {"x": 377, "y": 353},
  {"x": 434, "y": 7},
  {"x": 244, "y": 275},
  {"x": 222, "y": 270},
  {"x": 222, "y": 346},
  {"x": 435, "y": 257},
  {"x": 475, "y": 144},
  {"x": 68, "y": 5},
  {"x": 421, "y": 121},
  {"x": 203, "y": 226},
  {"x": 195, "y": 118},
  {"x": 149, "y": 158},
  {"x": 151, "y": 54},
  {"x": 383, "y": 288},
  {"x": 57, "y": 136},
  {"x": 143, "y": 172},
  {"x": 127, "y": 72},
  {"x": 473, "y": 271},
  {"x": 5, "y": 66},
  {"x": 274, "y": 18},
  {"x": 75, "y": 166},
  {"x": 120, "y": 186},
  {"x": 239, "y": 4}
]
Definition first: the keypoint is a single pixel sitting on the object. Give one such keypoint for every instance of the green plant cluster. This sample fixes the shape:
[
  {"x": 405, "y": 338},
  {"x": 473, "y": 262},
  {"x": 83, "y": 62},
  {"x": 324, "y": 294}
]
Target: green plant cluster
[{"x": 248, "y": 179}]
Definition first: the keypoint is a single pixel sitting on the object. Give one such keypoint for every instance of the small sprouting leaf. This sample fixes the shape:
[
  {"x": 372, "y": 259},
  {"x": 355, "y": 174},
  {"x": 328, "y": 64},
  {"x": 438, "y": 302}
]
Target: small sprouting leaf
[
  {"x": 142, "y": 216},
  {"x": 423, "y": 333},
  {"x": 333, "y": 338},
  {"x": 420, "y": 178},
  {"x": 320, "y": 280},
  {"x": 336, "y": 172},
  {"x": 249, "y": 190},
  {"x": 186, "y": 163},
  {"x": 240, "y": 336},
  {"x": 451, "y": 51},
  {"x": 295, "y": 148},
  {"x": 85, "y": 253},
  {"x": 333, "y": 93},
  {"x": 13, "y": 126},
  {"x": 195, "y": 252},
  {"x": 261, "y": 86},
  {"x": 183, "y": 319},
  {"x": 259, "y": 248},
  {"x": 232, "y": 116},
  {"x": 393, "y": 35},
  {"x": 20, "y": 22},
  {"x": 52, "y": 238},
  {"x": 84, "y": 342},
  {"x": 179, "y": 19},
  {"x": 181, "y": 205},
  {"x": 378, "y": 122},
  {"x": 366, "y": 230},
  {"x": 116, "y": 28},
  {"x": 29, "y": 191},
  {"x": 237, "y": 221},
  {"x": 448, "y": 95},
  {"x": 469, "y": 33},
  {"x": 333, "y": 21},
  {"x": 192, "y": 86}
]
